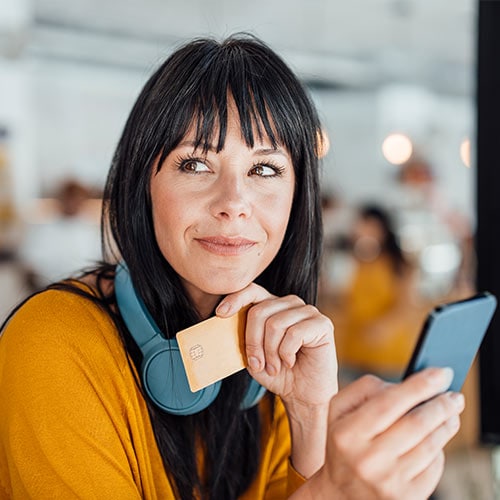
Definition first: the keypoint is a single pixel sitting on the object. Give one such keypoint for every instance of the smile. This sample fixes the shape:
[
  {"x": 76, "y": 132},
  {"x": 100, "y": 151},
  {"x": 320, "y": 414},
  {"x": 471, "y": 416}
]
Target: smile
[{"x": 221, "y": 245}]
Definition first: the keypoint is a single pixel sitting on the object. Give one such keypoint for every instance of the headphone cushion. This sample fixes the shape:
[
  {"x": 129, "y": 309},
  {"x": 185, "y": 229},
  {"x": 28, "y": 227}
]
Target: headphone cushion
[
  {"x": 253, "y": 394},
  {"x": 166, "y": 383}
]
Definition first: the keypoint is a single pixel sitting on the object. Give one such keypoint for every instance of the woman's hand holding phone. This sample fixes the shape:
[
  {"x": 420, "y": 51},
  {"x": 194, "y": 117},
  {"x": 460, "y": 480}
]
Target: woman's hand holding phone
[{"x": 386, "y": 440}]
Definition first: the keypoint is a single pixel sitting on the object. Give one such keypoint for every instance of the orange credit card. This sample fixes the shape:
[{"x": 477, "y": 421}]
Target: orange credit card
[{"x": 213, "y": 349}]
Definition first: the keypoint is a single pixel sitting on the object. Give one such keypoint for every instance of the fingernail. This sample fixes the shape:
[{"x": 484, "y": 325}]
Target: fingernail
[
  {"x": 458, "y": 399},
  {"x": 224, "y": 308},
  {"x": 442, "y": 376},
  {"x": 271, "y": 370},
  {"x": 446, "y": 377},
  {"x": 253, "y": 363}
]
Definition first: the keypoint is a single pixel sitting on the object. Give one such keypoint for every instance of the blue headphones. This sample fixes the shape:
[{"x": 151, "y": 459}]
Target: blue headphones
[{"x": 162, "y": 371}]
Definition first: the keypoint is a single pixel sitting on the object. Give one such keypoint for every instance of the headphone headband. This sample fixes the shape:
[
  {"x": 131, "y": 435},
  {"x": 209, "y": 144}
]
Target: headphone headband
[{"x": 132, "y": 308}]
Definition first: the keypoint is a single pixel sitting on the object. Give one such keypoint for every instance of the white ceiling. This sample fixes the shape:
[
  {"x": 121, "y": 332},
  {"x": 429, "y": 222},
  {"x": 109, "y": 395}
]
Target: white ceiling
[{"x": 354, "y": 43}]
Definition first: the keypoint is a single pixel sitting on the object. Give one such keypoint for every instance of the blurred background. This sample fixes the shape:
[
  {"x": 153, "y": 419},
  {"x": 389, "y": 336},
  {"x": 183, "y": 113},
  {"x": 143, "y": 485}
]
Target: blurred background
[{"x": 394, "y": 83}]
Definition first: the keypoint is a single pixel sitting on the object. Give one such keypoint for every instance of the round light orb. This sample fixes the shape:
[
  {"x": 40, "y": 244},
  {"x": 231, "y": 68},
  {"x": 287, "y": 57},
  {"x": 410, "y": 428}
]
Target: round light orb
[{"x": 397, "y": 148}]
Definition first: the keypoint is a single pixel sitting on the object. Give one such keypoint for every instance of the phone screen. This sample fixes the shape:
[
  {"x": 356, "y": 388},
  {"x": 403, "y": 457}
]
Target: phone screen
[{"x": 451, "y": 336}]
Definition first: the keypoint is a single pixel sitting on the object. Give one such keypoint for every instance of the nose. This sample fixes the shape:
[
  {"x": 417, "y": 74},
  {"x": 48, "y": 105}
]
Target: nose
[{"x": 232, "y": 198}]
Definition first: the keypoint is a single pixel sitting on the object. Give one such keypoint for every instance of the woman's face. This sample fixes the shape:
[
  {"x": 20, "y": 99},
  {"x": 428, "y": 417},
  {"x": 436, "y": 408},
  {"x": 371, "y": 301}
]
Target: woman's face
[
  {"x": 368, "y": 237},
  {"x": 220, "y": 218}
]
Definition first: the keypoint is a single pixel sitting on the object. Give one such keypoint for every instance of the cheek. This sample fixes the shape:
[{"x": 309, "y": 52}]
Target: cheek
[
  {"x": 168, "y": 219},
  {"x": 277, "y": 214}
]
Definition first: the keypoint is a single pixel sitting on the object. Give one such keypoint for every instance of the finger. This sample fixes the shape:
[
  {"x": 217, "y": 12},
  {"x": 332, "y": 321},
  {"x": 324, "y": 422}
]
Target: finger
[
  {"x": 427, "y": 481},
  {"x": 421, "y": 456},
  {"x": 353, "y": 396},
  {"x": 420, "y": 422},
  {"x": 232, "y": 303},
  {"x": 265, "y": 329},
  {"x": 426, "y": 428},
  {"x": 395, "y": 485},
  {"x": 309, "y": 329},
  {"x": 389, "y": 405}
]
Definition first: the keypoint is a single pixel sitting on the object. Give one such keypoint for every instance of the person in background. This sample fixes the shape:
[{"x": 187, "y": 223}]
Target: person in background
[
  {"x": 378, "y": 316},
  {"x": 212, "y": 204},
  {"x": 62, "y": 236}
]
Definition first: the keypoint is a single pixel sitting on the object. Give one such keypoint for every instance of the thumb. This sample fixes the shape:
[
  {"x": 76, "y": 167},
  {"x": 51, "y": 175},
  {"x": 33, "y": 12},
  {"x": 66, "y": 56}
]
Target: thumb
[{"x": 354, "y": 395}]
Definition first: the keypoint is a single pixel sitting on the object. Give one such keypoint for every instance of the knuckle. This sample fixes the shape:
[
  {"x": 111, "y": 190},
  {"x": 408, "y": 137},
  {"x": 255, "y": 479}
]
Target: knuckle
[
  {"x": 294, "y": 299},
  {"x": 448, "y": 430},
  {"x": 365, "y": 467},
  {"x": 271, "y": 349},
  {"x": 311, "y": 310},
  {"x": 438, "y": 439},
  {"x": 273, "y": 325},
  {"x": 255, "y": 313},
  {"x": 286, "y": 351},
  {"x": 433, "y": 444},
  {"x": 445, "y": 405},
  {"x": 453, "y": 424},
  {"x": 341, "y": 439},
  {"x": 440, "y": 460},
  {"x": 437, "y": 464},
  {"x": 252, "y": 347},
  {"x": 294, "y": 332},
  {"x": 371, "y": 382},
  {"x": 384, "y": 405},
  {"x": 419, "y": 416},
  {"x": 386, "y": 490},
  {"x": 329, "y": 322},
  {"x": 271, "y": 354}
]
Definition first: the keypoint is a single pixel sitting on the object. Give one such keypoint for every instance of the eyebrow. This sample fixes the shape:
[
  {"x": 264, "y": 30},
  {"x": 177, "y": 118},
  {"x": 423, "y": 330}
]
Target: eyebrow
[{"x": 260, "y": 151}]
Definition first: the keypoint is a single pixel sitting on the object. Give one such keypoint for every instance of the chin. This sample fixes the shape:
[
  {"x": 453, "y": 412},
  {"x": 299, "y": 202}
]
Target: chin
[
  {"x": 226, "y": 290},
  {"x": 225, "y": 287}
]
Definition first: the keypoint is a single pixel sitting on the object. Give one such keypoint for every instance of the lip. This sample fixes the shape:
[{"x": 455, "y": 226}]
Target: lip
[{"x": 224, "y": 245}]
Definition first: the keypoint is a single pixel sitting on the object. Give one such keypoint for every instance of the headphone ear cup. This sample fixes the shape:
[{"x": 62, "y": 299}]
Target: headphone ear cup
[
  {"x": 253, "y": 394},
  {"x": 165, "y": 381},
  {"x": 162, "y": 371}
]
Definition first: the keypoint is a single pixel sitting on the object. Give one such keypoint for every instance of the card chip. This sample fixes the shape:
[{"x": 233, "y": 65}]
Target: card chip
[{"x": 213, "y": 349}]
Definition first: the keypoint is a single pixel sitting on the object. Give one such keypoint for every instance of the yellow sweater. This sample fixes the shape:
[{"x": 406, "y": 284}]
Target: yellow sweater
[
  {"x": 73, "y": 423},
  {"x": 378, "y": 326}
]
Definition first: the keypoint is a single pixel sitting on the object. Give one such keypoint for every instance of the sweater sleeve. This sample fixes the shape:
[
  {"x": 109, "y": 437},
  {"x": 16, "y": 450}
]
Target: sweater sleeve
[
  {"x": 62, "y": 427},
  {"x": 283, "y": 478}
]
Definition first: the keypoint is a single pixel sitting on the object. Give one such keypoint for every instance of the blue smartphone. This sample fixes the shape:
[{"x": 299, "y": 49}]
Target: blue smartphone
[{"x": 451, "y": 336}]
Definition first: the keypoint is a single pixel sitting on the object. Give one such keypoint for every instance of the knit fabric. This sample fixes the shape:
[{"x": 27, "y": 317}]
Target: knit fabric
[{"x": 73, "y": 422}]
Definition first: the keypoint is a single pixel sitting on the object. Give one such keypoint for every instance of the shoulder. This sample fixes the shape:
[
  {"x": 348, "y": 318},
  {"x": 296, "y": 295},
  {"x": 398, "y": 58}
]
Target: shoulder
[{"x": 55, "y": 323}]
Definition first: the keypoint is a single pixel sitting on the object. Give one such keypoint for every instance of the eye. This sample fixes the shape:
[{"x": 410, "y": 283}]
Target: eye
[
  {"x": 193, "y": 165},
  {"x": 263, "y": 170}
]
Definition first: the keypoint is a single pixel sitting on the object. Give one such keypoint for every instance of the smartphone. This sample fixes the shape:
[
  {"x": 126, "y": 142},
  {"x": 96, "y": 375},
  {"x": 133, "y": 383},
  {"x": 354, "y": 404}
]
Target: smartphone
[{"x": 451, "y": 336}]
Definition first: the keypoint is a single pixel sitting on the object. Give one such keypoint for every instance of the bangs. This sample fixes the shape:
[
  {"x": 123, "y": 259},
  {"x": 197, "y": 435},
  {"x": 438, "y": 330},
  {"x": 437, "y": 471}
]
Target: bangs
[
  {"x": 211, "y": 115},
  {"x": 263, "y": 91}
]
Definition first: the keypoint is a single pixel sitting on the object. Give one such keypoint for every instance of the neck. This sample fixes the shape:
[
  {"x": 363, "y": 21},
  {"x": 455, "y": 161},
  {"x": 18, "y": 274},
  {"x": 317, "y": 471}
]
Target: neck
[{"x": 204, "y": 303}]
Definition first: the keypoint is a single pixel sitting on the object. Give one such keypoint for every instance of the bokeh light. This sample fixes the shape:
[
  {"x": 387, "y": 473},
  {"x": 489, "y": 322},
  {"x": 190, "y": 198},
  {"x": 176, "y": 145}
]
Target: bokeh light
[{"x": 397, "y": 148}]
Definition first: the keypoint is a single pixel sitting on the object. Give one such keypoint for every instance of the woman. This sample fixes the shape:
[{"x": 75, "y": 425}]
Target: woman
[
  {"x": 378, "y": 315},
  {"x": 211, "y": 204}
]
